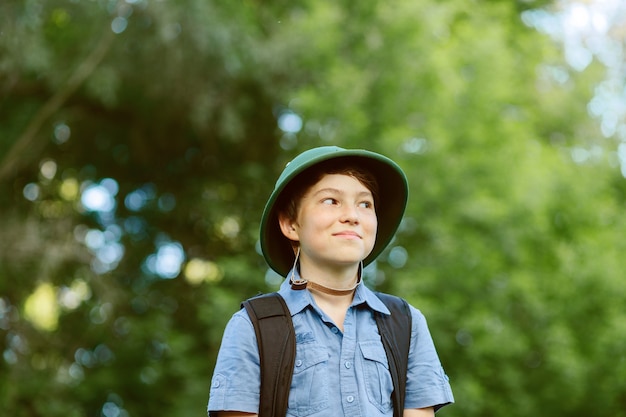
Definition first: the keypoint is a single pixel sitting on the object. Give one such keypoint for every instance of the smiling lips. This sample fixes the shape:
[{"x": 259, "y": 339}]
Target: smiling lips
[{"x": 348, "y": 234}]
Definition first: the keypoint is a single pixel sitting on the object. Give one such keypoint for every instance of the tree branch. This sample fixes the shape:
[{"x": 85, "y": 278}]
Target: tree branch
[{"x": 29, "y": 144}]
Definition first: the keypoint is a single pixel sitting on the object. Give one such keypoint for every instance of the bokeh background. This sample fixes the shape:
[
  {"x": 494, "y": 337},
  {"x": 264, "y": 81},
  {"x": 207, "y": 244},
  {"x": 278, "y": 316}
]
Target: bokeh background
[{"x": 139, "y": 140}]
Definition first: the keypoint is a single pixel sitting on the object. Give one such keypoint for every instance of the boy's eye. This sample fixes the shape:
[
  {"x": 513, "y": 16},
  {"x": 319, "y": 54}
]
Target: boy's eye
[
  {"x": 329, "y": 201},
  {"x": 366, "y": 204}
]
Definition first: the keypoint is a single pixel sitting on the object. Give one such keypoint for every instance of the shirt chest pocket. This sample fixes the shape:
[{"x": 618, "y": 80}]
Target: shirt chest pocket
[
  {"x": 378, "y": 383},
  {"x": 309, "y": 386}
]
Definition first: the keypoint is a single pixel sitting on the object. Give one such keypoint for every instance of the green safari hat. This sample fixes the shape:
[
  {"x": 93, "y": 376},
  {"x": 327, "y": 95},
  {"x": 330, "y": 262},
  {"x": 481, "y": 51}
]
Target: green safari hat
[{"x": 393, "y": 195}]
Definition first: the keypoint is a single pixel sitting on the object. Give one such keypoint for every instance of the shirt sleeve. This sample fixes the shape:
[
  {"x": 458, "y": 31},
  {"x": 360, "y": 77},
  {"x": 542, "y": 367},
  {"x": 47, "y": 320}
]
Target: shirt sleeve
[
  {"x": 236, "y": 381},
  {"x": 427, "y": 384}
]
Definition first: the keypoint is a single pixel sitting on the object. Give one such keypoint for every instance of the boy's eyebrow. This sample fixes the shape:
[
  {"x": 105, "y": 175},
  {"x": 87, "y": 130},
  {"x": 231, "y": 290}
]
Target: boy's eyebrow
[{"x": 337, "y": 191}]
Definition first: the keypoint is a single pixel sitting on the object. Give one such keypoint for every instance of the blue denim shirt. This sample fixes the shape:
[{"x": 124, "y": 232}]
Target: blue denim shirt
[{"x": 336, "y": 373}]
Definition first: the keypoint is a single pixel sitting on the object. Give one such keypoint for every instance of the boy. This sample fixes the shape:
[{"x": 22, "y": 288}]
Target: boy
[{"x": 332, "y": 212}]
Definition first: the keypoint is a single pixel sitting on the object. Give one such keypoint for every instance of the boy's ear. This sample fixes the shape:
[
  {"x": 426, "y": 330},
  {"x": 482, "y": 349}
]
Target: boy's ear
[{"x": 288, "y": 227}]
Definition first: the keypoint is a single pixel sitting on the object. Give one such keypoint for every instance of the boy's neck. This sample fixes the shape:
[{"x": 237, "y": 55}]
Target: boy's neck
[{"x": 331, "y": 280}]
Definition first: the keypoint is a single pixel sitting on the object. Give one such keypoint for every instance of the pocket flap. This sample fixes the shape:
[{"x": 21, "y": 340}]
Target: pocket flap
[
  {"x": 309, "y": 356},
  {"x": 374, "y": 351}
]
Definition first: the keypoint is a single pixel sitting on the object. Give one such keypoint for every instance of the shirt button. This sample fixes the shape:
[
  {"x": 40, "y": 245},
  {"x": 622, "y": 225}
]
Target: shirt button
[
  {"x": 350, "y": 398},
  {"x": 334, "y": 330},
  {"x": 348, "y": 364},
  {"x": 216, "y": 384},
  {"x": 298, "y": 362}
]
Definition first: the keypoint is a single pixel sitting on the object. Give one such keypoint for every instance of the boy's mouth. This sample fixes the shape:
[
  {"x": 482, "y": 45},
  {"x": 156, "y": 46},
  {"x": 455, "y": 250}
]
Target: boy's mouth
[{"x": 348, "y": 234}]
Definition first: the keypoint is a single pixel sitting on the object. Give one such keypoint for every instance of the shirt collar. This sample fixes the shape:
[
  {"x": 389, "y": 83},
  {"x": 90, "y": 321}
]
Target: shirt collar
[{"x": 298, "y": 300}]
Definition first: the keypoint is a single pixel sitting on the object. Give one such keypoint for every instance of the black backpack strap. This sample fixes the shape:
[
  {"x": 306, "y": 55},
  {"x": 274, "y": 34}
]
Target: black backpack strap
[
  {"x": 277, "y": 351},
  {"x": 395, "y": 332}
]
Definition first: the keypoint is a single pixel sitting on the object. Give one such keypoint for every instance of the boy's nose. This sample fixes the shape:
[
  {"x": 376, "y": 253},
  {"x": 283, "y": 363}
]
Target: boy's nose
[{"x": 350, "y": 214}]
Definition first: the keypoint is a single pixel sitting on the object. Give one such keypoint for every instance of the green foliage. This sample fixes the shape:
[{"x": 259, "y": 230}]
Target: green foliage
[{"x": 513, "y": 250}]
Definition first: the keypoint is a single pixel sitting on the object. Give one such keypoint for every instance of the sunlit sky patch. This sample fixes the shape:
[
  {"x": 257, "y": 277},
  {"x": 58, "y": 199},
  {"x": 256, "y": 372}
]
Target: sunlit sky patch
[
  {"x": 100, "y": 197},
  {"x": 167, "y": 261},
  {"x": 593, "y": 30},
  {"x": 587, "y": 30},
  {"x": 137, "y": 199},
  {"x": 289, "y": 122}
]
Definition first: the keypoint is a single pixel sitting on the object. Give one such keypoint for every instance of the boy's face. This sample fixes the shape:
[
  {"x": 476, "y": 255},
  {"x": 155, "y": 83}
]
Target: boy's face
[{"x": 336, "y": 222}]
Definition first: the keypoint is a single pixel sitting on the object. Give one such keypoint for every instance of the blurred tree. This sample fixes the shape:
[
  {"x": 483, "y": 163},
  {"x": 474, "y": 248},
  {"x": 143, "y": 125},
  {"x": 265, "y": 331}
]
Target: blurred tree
[{"x": 139, "y": 141}]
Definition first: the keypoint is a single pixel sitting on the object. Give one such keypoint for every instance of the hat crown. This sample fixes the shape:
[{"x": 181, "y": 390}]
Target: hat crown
[{"x": 304, "y": 160}]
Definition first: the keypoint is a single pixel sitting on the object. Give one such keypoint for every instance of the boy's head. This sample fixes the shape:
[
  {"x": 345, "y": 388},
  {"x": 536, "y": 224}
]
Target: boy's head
[{"x": 379, "y": 174}]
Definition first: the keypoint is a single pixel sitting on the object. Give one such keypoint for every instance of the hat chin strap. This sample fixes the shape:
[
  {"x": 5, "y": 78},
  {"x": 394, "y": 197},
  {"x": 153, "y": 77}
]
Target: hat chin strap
[
  {"x": 301, "y": 284},
  {"x": 333, "y": 291},
  {"x": 296, "y": 284}
]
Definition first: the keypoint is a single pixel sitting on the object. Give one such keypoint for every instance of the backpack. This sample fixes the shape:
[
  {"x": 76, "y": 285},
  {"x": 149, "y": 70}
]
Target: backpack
[{"x": 277, "y": 348}]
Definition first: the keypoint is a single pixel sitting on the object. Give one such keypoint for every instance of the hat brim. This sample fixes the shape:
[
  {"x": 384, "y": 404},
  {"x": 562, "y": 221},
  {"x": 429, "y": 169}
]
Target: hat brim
[{"x": 393, "y": 196}]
